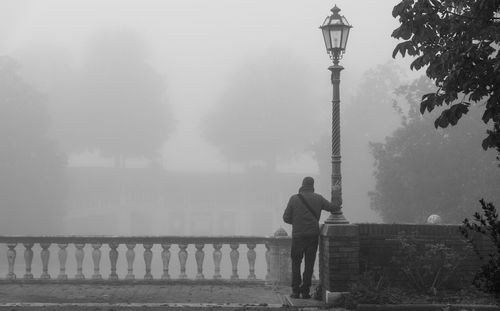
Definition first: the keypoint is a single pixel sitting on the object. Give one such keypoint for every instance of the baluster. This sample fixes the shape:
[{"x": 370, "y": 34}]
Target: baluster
[
  {"x": 200, "y": 256},
  {"x": 79, "y": 255},
  {"x": 130, "y": 255},
  {"x": 45, "y": 255},
  {"x": 11, "y": 258},
  {"x": 183, "y": 255},
  {"x": 217, "y": 255},
  {"x": 165, "y": 256},
  {"x": 148, "y": 258},
  {"x": 62, "y": 254},
  {"x": 268, "y": 261},
  {"x": 28, "y": 259},
  {"x": 235, "y": 256},
  {"x": 251, "y": 255},
  {"x": 113, "y": 258},
  {"x": 96, "y": 259}
]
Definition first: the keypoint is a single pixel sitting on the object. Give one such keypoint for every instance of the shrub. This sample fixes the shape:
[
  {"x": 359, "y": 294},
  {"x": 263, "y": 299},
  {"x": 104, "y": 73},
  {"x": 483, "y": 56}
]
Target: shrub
[
  {"x": 371, "y": 288},
  {"x": 486, "y": 224},
  {"x": 426, "y": 266}
]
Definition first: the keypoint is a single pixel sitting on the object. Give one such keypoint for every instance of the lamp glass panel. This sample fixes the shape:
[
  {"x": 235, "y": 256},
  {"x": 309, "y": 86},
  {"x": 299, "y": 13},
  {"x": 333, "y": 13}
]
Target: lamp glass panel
[
  {"x": 336, "y": 36},
  {"x": 345, "y": 35},
  {"x": 326, "y": 22},
  {"x": 326, "y": 37},
  {"x": 335, "y": 21}
]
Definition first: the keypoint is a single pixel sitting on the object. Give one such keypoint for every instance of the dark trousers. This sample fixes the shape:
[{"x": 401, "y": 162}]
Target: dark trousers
[{"x": 303, "y": 247}]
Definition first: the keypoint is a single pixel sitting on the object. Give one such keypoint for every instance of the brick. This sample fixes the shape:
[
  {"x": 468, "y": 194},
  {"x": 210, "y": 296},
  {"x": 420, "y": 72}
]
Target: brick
[
  {"x": 344, "y": 255},
  {"x": 341, "y": 261},
  {"x": 329, "y": 231},
  {"x": 343, "y": 271},
  {"x": 348, "y": 249}
]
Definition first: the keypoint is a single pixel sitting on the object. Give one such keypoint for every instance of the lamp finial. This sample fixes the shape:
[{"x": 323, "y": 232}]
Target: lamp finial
[{"x": 335, "y": 10}]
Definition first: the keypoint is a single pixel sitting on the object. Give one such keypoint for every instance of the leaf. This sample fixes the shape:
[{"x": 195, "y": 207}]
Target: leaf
[
  {"x": 402, "y": 48},
  {"x": 441, "y": 121},
  {"x": 451, "y": 115},
  {"x": 419, "y": 62},
  {"x": 395, "y": 52},
  {"x": 486, "y": 143},
  {"x": 457, "y": 111},
  {"x": 487, "y": 116},
  {"x": 428, "y": 102},
  {"x": 401, "y": 7}
]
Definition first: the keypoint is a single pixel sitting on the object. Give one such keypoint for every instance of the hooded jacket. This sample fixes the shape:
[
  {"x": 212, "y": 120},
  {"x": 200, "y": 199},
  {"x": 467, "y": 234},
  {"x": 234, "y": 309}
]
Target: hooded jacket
[{"x": 298, "y": 215}]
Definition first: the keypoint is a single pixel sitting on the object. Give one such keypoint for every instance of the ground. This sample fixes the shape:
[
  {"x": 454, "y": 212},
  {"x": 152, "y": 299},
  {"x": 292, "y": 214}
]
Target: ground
[{"x": 182, "y": 296}]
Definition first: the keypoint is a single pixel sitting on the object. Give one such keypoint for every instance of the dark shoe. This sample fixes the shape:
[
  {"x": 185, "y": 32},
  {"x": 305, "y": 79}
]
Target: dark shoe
[
  {"x": 295, "y": 296},
  {"x": 306, "y": 296}
]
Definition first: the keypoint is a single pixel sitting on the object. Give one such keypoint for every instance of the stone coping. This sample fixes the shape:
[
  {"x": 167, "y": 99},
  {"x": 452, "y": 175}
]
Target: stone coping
[{"x": 90, "y": 239}]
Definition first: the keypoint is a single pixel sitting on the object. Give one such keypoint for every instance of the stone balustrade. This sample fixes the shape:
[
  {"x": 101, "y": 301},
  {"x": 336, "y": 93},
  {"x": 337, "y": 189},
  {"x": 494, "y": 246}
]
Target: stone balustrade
[{"x": 91, "y": 250}]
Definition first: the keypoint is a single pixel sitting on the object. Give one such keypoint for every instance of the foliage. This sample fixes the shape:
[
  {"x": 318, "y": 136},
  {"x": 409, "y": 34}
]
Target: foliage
[
  {"x": 421, "y": 171},
  {"x": 487, "y": 224},
  {"x": 426, "y": 266},
  {"x": 372, "y": 289},
  {"x": 32, "y": 177},
  {"x": 458, "y": 42},
  {"x": 265, "y": 112},
  {"x": 122, "y": 104}
]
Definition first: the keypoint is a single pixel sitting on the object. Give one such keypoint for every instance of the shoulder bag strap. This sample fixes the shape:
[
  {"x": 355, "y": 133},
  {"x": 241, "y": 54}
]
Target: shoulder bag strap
[{"x": 309, "y": 208}]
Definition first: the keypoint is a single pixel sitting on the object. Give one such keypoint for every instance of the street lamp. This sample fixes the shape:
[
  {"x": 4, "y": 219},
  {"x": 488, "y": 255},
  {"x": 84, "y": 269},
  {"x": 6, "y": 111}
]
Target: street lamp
[{"x": 335, "y": 30}]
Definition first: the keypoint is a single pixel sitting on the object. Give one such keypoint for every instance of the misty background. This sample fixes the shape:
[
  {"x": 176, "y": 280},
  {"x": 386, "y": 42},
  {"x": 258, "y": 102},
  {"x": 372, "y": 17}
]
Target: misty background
[{"x": 190, "y": 116}]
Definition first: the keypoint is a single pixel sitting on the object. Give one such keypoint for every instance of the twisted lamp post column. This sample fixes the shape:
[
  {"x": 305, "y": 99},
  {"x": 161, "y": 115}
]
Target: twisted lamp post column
[
  {"x": 335, "y": 30},
  {"x": 336, "y": 217}
]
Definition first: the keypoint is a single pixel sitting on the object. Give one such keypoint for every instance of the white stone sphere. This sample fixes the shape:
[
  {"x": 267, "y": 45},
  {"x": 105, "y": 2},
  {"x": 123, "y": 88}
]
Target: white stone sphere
[{"x": 434, "y": 219}]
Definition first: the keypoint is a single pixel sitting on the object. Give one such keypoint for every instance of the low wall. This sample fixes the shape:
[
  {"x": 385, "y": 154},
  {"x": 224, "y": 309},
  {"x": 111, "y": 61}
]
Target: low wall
[{"x": 377, "y": 245}]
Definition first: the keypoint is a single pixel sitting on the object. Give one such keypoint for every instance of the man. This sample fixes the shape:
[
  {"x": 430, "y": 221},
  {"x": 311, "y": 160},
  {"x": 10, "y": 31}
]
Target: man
[{"x": 303, "y": 212}]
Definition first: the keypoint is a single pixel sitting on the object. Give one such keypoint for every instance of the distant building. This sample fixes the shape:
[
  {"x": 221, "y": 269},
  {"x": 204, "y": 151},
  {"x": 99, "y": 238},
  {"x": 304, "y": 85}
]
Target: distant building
[{"x": 145, "y": 201}]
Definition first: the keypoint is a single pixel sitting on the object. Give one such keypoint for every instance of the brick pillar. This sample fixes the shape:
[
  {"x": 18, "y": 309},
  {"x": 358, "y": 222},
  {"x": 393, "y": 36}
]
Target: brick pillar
[{"x": 338, "y": 257}]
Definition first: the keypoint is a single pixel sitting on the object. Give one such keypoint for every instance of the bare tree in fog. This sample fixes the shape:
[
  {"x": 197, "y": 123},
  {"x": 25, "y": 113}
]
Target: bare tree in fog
[
  {"x": 374, "y": 97},
  {"x": 121, "y": 99},
  {"x": 421, "y": 171},
  {"x": 48, "y": 68},
  {"x": 266, "y": 112},
  {"x": 31, "y": 169}
]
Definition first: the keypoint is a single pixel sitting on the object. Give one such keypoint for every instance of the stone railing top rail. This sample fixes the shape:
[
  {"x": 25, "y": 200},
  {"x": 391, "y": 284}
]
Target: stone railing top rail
[
  {"x": 94, "y": 239},
  {"x": 422, "y": 229}
]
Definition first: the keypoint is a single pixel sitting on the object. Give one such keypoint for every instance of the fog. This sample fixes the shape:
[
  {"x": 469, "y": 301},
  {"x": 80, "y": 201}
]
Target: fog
[{"x": 191, "y": 60}]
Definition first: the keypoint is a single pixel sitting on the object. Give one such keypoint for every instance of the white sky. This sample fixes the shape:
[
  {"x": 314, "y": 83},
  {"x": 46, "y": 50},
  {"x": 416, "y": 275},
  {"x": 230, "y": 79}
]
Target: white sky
[{"x": 197, "y": 44}]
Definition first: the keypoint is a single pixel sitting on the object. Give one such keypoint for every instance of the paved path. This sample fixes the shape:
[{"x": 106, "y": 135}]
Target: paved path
[{"x": 54, "y": 296}]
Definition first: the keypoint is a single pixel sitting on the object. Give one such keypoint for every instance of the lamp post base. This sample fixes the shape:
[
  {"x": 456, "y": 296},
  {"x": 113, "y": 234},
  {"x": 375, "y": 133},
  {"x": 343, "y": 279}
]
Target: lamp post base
[{"x": 336, "y": 218}]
